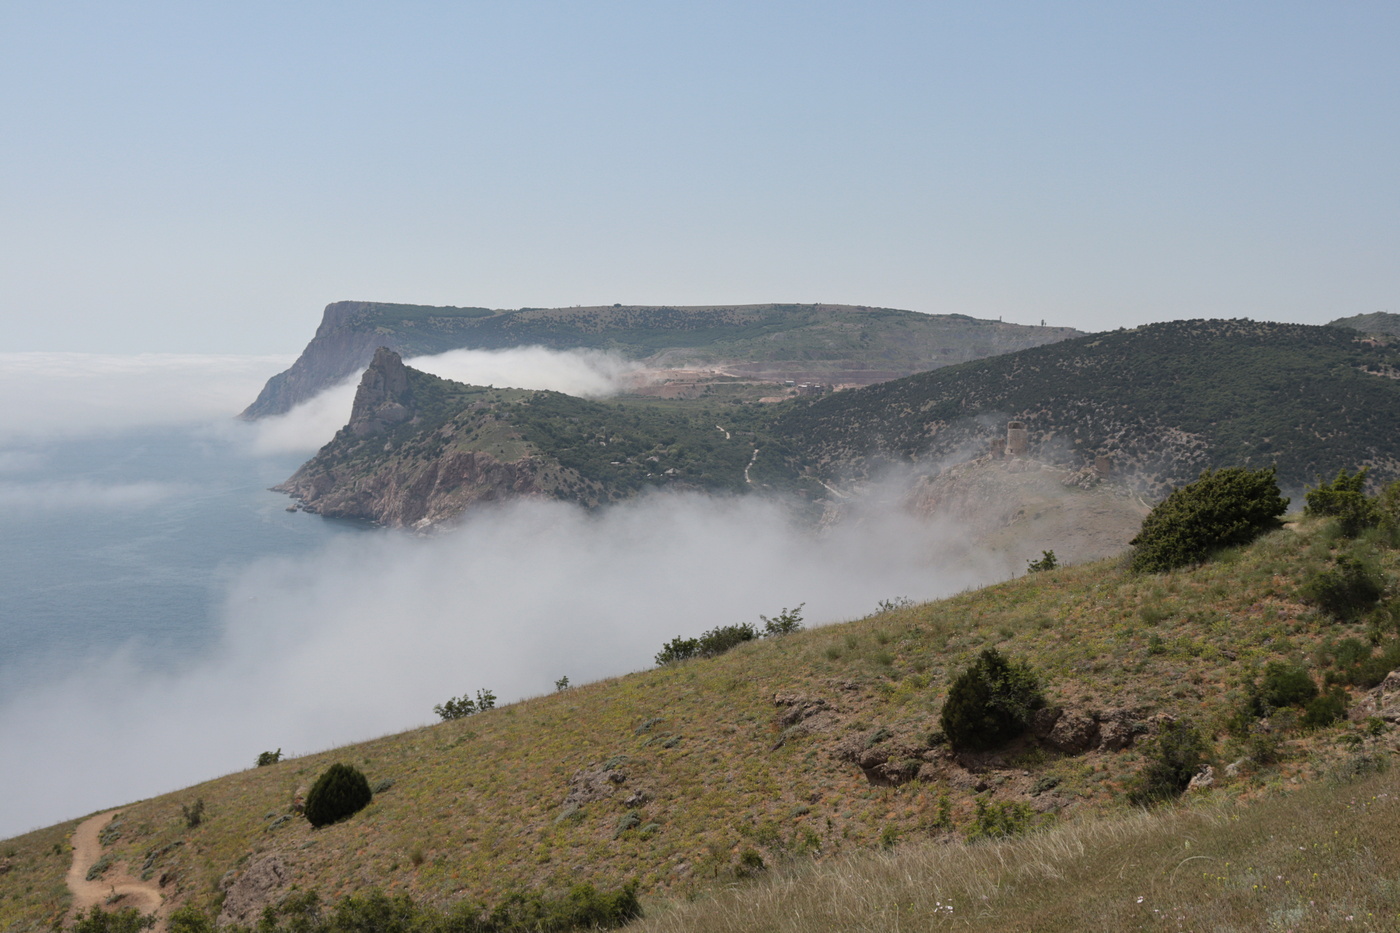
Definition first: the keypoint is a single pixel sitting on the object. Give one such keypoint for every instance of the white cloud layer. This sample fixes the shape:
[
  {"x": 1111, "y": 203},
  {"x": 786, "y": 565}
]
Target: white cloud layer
[
  {"x": 69, "y": 394},
  {"x": 586, "y": 373},
  {"x": 366, "y": 636}
]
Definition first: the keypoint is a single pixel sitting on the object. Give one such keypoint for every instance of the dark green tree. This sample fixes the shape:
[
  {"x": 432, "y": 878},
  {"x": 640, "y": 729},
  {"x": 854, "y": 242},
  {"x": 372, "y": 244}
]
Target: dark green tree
[
  {"x": 990, "y": 702},
  {"x": 341, "y": 791},
  {"x": 1171, "y": 763},
  {"x": 1223, "y": 508}
]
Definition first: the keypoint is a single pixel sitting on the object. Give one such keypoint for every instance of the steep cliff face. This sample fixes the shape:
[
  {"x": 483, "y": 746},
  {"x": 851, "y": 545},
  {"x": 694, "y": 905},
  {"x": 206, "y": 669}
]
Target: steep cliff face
[
  {"x": 401, "y": 460},
  {"x": 338, "y": 351}
]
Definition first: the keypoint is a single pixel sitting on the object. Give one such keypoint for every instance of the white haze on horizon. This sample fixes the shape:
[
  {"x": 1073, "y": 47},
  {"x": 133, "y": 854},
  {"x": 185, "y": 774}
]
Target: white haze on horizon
[
  {"x": 55, "y": 395},
  {"x": 366, "y": 636},
  {"x": 72, "y": 394}
]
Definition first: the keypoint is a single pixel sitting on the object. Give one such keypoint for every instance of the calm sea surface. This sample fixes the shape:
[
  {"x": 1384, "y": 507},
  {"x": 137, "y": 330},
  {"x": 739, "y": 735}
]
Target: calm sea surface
[{"x": 127, "y": 541}]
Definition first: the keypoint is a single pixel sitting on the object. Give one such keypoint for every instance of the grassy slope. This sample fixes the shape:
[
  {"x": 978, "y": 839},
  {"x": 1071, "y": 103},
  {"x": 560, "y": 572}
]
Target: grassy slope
[
  {"x": 1319, "y": 858},
  {"x": 477, "y": 805},
  {"x": 1168, "y": 398}
]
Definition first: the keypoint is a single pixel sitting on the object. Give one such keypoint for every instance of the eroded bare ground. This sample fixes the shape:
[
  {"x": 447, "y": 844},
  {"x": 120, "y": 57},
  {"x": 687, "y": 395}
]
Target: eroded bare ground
[{"x": 115, "y": 888}]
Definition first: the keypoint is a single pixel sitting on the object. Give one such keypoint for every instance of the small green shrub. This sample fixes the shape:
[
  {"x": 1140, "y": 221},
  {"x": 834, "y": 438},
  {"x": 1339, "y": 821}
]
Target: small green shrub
[
  {"x": 784, "y": 623},
  {"x": 126, "y": 920},
  {"x": 1283, "y": 684},
  {"x": 1000, "y": 820},
  {"x": 1345, "y": 499},
  {"x": 1345, "y": 590},
  {"x": 1222, "y": 508},
  {"x": 1354, "y": 663},
  {"x": 990, "y": 702},
  {"x": 463, "y": 706},
  {"x": 1047, "y": 561},
  {"x": 1325, "y": 709},
  {"x": 714, "y": 642},
  {"x": 341, "y": 791},
  {"x": 269, "y": 758},
  {"x": 194, "y": 815},
  {"x": 1175, "y": 758}
]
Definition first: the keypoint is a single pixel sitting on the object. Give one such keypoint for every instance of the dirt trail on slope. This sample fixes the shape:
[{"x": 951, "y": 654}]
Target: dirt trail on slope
[{"x": 128, "y": 891}]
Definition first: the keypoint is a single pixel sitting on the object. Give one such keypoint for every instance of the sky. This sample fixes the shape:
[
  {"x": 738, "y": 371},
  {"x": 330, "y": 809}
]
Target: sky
[{"x": 205, "y": 178}]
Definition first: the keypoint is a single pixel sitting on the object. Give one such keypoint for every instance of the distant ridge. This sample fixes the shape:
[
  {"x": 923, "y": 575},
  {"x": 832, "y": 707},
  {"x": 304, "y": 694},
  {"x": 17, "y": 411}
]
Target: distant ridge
[
  {"x": 1163, "y": 401},
  {"x": 847, "y": 344},
  {"x": 1379, "y": 322}
]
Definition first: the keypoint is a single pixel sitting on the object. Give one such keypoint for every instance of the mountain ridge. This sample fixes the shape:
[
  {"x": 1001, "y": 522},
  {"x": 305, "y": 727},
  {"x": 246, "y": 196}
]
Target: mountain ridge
[{"x": 771, "y": 342}]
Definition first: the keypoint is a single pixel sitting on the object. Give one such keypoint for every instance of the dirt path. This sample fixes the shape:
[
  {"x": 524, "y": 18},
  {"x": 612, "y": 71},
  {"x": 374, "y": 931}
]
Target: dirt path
[{"x": 119, "y": 888}]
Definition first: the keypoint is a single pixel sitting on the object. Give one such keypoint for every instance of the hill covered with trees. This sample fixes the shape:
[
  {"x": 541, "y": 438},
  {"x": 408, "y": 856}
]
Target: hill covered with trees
[{"x": 1162, "y": 401}]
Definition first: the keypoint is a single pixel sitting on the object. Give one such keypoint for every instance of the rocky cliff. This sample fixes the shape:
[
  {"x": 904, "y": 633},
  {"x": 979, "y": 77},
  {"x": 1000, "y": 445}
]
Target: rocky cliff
[{"x": 419, "y": 450}]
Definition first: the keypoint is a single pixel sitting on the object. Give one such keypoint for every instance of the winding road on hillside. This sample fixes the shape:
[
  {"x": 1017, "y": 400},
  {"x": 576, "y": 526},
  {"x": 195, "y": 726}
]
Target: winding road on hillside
[{"x": 115, "y": 886}]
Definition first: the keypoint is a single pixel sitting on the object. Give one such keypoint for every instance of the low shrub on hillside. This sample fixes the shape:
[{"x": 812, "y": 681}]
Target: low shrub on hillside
[
  {"x": 1283, "y": 684},
  {"x": 1325, "y": 708},
  {"x": 1354, "y": 662},
  {"x": 341, "y": 791},
  {"x": 1175, "y": 758},
  {"x": 714, "y": 642},
  {"x": 1345, "y": 499},
  {"x": 1223, "y": 508},
  {"x": 583, "y": 907},
  {"x": 1345, "y": 590},
  {"x": 784, "y": 623},
  {"x": 990, "y": 702},
  {"x": 126, "y": 920},
  {"x": 462, "y": 706}
]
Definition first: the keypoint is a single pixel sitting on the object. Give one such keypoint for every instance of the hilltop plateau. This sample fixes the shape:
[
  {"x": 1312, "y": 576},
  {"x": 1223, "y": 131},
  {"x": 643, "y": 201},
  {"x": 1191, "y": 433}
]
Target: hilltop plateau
[
  {"x": 813, "y": 747},
  {"x": 841, "y": 344}
]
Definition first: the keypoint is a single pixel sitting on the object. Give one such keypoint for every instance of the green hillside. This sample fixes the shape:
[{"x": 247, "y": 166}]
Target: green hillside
[
  {"x": 812, "y": 746},
  {"x": 1163, "y": 401}
]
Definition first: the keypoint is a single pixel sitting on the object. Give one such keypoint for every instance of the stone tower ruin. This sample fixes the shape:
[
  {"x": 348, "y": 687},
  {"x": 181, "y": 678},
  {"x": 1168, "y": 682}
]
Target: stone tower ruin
[{"x": 1016, "y": 439}]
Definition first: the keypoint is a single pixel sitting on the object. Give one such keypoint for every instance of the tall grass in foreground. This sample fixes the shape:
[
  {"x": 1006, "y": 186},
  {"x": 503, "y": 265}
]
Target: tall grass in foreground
[{"x": 1325, "y": 857}]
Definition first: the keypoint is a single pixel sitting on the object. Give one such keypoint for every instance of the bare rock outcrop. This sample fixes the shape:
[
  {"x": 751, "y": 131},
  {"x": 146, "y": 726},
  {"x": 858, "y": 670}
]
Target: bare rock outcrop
[
  {"x": 382, "y": 399},
  {"x": 1382, "y": 701},
  {"x": 247, "y": 894},
  {"x": 596, "y": 782},
  {"x": 1075, "y": 731},
  {"x": 885, "y": 760}
]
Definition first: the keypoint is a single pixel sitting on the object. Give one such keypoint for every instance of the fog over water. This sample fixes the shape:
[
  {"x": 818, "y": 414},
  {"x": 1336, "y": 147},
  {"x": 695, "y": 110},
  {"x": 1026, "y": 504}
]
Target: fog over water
[{"x": 316, "y": 635}]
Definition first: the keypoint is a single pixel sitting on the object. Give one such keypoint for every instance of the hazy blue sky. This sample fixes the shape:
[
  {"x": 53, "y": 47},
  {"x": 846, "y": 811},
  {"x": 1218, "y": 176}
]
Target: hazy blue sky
[{"x": 204, "y": 177}]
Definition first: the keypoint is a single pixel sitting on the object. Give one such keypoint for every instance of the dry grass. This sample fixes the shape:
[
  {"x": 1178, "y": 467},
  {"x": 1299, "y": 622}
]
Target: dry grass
[
  {"x": 1322, "y": 858},
  {"x": 477, "y": 806}
]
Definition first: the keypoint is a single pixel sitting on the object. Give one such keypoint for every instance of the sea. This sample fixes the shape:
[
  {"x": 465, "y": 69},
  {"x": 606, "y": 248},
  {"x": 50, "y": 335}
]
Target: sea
[{"x": 128, "y": 542}]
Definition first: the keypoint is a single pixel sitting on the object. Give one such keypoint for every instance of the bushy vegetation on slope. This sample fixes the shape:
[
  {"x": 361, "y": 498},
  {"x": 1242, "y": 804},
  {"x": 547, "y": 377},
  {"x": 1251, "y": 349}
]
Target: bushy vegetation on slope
[
  {"x": 1167, "y": 399},
  {"x": 1223, "y": 508}
]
